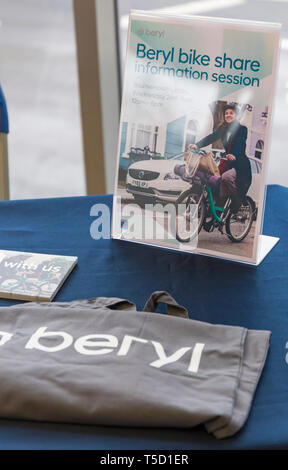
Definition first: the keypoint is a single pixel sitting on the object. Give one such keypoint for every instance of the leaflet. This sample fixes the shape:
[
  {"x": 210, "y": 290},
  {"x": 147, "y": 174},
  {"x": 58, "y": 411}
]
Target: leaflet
[{"x": 194, "y": 134}]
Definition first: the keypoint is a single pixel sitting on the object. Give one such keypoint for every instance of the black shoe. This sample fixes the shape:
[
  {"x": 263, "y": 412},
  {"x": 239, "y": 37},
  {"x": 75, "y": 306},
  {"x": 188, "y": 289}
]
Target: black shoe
[
  {"x": 209, "y": 226},
  {"x": 236, "y": 204},
  {"x": 220, "y": 227}
]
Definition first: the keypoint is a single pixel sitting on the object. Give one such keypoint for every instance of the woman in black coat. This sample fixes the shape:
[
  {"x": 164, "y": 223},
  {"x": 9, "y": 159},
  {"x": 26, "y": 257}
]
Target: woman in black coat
[{"x": 236, "y": 179}]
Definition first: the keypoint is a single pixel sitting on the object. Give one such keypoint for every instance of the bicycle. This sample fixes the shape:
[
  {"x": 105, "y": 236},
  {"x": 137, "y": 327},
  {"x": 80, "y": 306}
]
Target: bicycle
[
  {"x": 234, "y": 224},
  {"x": 22, "y": 282},
  {"x": 25, "y": 283}
]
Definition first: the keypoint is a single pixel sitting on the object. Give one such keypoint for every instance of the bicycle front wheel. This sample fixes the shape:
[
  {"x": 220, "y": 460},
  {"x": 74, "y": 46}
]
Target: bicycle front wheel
[
  {"x": 190, "y": 211},
  {"x": 238, "y": 224}
]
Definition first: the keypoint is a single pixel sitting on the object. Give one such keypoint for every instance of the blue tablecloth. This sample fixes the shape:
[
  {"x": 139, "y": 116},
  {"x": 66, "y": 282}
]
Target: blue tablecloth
[{"x": 212, "y": 290}]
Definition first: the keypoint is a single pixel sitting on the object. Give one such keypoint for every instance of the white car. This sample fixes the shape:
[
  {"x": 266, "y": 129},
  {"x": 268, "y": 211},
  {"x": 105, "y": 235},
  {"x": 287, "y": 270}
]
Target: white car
[{"x": 149, "y": 180}]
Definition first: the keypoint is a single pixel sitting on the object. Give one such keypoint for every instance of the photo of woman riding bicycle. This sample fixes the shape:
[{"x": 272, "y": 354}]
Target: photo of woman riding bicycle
[
  {"x": 221, "y": 200},
  {"x": 236, "y": 178},
  {"x": 205, "y": 163},
  {"x": 236, "y": 175}
]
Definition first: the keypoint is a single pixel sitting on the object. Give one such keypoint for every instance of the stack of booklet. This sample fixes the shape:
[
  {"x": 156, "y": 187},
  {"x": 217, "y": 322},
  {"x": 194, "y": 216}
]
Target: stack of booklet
[{"x": 33, "y": 276}]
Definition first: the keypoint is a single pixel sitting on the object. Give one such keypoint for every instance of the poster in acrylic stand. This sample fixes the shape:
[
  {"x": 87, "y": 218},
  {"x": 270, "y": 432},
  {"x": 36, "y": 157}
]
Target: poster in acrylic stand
[{"x": 194, "y": 135}]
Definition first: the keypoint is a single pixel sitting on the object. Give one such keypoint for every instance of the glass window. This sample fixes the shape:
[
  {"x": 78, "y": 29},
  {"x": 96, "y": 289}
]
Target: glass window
[
  {"x": 254, "y": 167},
  {"x": 143, "y": 136},
  {"x": 259, "y": 149},
  {"x": 191, "y": 133},
  {"x": 40, "y": 82}
]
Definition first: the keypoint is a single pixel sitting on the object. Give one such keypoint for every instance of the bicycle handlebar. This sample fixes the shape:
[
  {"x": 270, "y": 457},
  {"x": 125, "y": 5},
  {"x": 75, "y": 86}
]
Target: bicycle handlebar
[{"x": 198, "y": 151}]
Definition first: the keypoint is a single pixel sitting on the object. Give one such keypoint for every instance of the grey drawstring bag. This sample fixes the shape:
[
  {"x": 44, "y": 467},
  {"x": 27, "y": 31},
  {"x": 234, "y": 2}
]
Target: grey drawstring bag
[{"x": 101, "y": 361}]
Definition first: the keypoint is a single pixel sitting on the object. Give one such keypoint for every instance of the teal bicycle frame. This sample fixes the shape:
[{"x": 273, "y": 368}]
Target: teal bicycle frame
[{"x": 213, "y": 207}]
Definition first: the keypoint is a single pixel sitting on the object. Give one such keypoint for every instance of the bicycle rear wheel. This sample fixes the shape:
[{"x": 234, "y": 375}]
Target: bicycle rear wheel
[{"x": 238, "y": 224}]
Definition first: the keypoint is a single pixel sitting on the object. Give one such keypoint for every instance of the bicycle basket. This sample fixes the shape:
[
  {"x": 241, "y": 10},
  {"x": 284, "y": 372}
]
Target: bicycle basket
[{"x": 192, "y": 163}]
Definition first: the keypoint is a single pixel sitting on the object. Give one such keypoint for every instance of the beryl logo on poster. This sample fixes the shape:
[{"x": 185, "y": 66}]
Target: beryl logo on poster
[
  {"x": 151, "y": 32},
  {"x": 101, "y": 344}
]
